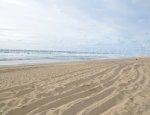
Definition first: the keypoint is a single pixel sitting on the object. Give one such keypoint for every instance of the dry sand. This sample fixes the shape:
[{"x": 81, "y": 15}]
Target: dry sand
[{"x": 114, "y": 87}]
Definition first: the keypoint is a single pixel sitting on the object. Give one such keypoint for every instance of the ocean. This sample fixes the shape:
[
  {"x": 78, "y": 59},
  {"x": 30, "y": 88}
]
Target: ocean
[{"x": 11, "y": 56}]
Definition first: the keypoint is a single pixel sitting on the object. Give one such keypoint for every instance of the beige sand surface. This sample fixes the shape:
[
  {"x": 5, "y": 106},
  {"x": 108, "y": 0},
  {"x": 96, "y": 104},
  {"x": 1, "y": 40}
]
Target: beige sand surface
[{"x": 114, "y": 87}]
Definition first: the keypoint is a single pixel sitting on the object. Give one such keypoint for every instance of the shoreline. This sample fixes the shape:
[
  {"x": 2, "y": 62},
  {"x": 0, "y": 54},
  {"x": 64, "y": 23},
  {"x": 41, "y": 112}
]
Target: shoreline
[{"x": 49, "y": 61}]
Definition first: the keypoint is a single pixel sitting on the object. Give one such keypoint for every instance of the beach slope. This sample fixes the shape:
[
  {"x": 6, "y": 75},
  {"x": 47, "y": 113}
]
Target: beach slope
[{"x": 108, "y": 87}]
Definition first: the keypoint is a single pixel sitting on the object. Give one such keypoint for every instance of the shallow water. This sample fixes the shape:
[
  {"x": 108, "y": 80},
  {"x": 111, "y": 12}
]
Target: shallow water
[{"x": 9, "y": 57}]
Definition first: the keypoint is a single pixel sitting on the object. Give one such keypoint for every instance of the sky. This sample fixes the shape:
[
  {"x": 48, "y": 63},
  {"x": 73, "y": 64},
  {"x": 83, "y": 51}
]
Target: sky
[{"x": 117, "y": 26}]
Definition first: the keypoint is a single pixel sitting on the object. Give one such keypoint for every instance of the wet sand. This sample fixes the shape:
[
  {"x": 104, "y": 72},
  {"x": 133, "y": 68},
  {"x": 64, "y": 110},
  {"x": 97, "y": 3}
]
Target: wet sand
[{"x": 108, "y": 87}]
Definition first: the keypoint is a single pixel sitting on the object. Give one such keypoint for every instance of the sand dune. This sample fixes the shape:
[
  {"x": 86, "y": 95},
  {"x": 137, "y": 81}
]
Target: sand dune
[{"x": 114, "y": 87}]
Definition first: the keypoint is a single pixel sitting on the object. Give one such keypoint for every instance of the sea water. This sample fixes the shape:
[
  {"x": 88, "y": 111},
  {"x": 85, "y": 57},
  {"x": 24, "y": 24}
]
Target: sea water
[{"x": 9, "y": 56}]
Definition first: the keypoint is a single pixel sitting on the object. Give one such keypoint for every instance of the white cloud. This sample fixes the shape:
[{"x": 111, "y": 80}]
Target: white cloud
[{"x": 69, "y": 24}]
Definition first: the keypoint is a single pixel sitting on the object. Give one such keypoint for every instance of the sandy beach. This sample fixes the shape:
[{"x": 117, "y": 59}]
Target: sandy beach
[{"x": 108, "y": 87}]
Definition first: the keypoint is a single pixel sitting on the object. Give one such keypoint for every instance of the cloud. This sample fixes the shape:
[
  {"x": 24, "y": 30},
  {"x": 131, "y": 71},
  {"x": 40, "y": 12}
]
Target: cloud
[
  {"x": 74, "y": 24},
  {"x": 143, "y": 3}
]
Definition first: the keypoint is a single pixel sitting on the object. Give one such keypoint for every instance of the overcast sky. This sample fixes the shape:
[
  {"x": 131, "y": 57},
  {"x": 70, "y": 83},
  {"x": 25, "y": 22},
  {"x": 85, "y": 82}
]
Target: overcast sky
[{"x": 78, "y": 25}]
